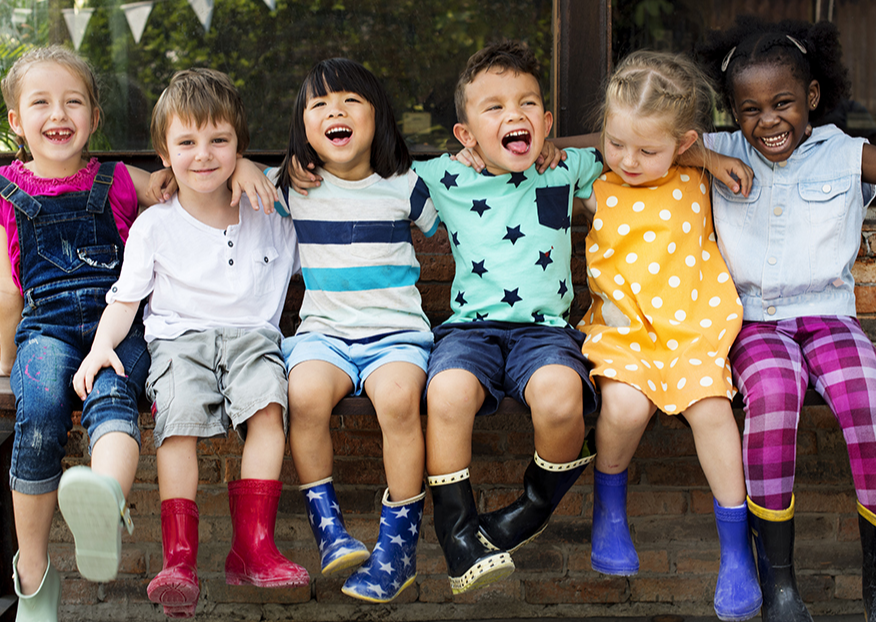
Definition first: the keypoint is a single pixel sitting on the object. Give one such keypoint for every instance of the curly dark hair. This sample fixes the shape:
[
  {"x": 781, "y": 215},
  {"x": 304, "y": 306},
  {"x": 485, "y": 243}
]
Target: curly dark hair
[{"x": 754, "y": 41}]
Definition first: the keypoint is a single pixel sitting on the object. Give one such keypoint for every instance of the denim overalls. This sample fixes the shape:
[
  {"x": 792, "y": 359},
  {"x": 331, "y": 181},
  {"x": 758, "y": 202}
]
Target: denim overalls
[{"x": 71, "y": 254}]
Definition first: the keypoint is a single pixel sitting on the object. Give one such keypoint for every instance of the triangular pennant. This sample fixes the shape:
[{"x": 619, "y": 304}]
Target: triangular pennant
[
  {"x": 21, "y": 16},
  {"x": 204, "y": 10},
  {"x": 272, "y": 4},
  {"x": 77, "y": 21},
  {"x": 137, "y": 14}
]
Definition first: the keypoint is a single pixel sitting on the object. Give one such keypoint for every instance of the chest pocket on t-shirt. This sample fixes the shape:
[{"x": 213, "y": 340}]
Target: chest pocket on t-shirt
[
  {"x": 825, "y": 199},
  {"x": 553, "y": 207},
  {"x": 264, "y": 277}
]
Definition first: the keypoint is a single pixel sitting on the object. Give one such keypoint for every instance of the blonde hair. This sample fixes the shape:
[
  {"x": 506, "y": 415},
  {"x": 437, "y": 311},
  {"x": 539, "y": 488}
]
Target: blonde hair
[
  {"x": 667, "y": 86},
  {"x": 200, "y": 96},
  {"x": 60, "y": 55}
]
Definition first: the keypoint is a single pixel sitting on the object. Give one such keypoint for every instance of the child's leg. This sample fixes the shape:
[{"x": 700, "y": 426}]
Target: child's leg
[
  {"x": 453, "y": 399},
  {"x": 33, "y": 522},
  {"x": 265, "y": 444},
  {"x": 116, "y": 455},
  {"x": 554, "y": 397},
  {"x": 396, "y": 390},
  {"x": 177, "y": 461},
  {"x": 719, "y": 449},
  {"x": 315, "y": 387},
  {"x": 624, "y": 415}
]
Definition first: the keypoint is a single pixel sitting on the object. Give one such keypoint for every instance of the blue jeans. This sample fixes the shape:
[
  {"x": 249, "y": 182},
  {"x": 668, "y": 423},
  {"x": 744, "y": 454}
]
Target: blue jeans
[{"x": 51, "y": 345}]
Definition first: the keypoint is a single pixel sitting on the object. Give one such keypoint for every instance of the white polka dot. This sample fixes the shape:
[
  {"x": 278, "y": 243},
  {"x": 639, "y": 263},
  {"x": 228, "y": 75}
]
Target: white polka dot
[
  {"x": 685, "y": 227},
  {"x": 706, "y": 323},
  {"x": 684, "y": 178},
  {"x": 593, "y": 249},
  {"x": 658, "y": 364},
  {"x": 706, "y": 382},
  {"x": 652, "y": 337},
  {"x": 650, "y": 321},
  {"x": 603, "y": 177},
  {"x": 712, "y": 354},
  {"x": 597, "y": 224},
  {"x": 672, "y": 344},
  {"x": 723, "y": 277},
  {"x": 738, "y": 302},
  {"x": 597, "y": 338},
  {"x": 646, "y": 364},
  {"x": 701, "y": 276},
  {"x": 703, "y": 188},
  {"x": 635, "y": 287},
  {"x": 665, "y": 214},
  {"x": 654, "y": 267},
  {"x": 714, "y": 301},
  {"x": 674, "y": 281},
  {"x": 695, "y": 207},
  {"x": 722, "y": 333},
  {"x": 611, "y": 201},
  {"x": 706, "y": 255},
  {"x": 617, "y": 294},
  {"x": 652, "y": 385},
  {"x": 669, "y": 408},
  {"x": 680, "y": 315},
  {"x": 631, "y": 367},
  {"x": 671, "y": 247},
  {"x": 619, "y": 279},
  {"x": 638, "y": 206},
  {"x": 608, "y": 253},
  {"x": 657, "y": 302},
  {"x": 595, "y": 272},
  {"x": 690, "y": 261},
  {"x": 635, "y": 347},
  {"x": 674, "y": 323},
  {"x": 695, "y": 362},
  {"x": 632, "y": 257},
  {"x": 674, "y": 361},
  {"x": 681, "y": 383},
  {"x": 623, "y": 229},
  {"x": 719, "y": 362},
  {"x": 623, "y": 330},
  {"x": 650, "y": 236},
  {"x": 676, "y": 194},
  {"x": 732, "y": 317},
  {"x": 712, "y": 237}
]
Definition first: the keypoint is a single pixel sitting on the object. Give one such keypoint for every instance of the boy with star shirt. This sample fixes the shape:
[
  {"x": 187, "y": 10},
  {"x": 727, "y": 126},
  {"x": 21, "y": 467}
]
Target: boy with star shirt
[{"x": 509, "y": 229}]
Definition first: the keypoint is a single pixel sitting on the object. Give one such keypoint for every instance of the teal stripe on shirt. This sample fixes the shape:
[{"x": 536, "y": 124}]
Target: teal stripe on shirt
[{"x": 359, "y": 279}]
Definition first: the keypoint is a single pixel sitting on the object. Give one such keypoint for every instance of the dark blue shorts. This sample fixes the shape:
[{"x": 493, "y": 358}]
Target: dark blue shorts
[{"x": 503, "y": 357}]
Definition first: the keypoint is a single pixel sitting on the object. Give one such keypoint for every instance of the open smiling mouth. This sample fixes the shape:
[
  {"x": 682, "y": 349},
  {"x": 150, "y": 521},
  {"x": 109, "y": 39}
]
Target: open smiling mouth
[
  {"x": 517, "y": 142},
  {"x": 58, "y": 135},
  {"x": 775, "y": 142},
  {"x": 339, "y": 135}
]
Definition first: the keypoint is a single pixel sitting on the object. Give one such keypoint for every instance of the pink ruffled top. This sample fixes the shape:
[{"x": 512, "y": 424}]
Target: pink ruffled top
[{"x": 122, "y": 198}]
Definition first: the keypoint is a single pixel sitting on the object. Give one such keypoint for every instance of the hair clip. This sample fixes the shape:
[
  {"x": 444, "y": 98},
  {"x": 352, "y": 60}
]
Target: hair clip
[
  {"x": 799, "y": 45},
  {"x": 727, "y": 58}
]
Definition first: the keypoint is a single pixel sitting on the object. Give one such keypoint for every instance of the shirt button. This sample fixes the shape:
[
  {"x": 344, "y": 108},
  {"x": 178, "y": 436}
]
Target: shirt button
[
  {"x": 771, "y": 310},
  {"x": 115, "y": 289},
  {"x": 230, "y": 262},
  {"x": 230, "y": 244},
  {"x": 783, "y": 163},
  {"x": 777, "y": 211},
  {"x": 825, "y": 188},
  {"x": 772, "y": 261},
  {"x": 266, "y": 260}
]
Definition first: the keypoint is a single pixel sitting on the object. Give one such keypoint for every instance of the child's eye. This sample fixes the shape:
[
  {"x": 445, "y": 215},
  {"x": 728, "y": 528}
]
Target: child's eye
[
  {"x": 353, "y": 99},
  {"x": 648, "y": 153},
  {"x": 316, "y": 105},
  {"x": 220, "y": 140}
]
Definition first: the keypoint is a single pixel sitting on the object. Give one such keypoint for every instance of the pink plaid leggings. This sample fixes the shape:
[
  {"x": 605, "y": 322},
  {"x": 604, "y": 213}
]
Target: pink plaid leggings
[{"x": 773, "y": 362}]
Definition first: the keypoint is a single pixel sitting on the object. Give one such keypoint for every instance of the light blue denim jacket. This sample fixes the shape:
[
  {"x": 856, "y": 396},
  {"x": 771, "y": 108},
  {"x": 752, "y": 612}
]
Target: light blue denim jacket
[{"x": 791, "y": 244}]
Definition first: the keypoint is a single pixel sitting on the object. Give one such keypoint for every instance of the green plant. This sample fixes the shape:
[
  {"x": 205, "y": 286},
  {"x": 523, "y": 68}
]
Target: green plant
[{"x": 10, "y": 50}]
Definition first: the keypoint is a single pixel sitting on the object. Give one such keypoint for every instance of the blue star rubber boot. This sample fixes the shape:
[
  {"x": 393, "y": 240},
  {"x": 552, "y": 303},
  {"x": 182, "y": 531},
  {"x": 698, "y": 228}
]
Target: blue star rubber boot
[
  {"x": 612, "y": 551},
  {"x": 95, "y": 510},
  {"x": 773, "y": 532},
  {"x": 470, "y": 564},
  {"x": 42, "y": 605},
  {"x": 867, "y": 525},
  {"x": 392, "y": 566},
  {"x": 544, "y": 486},
  {"x": 338, "y": 550},
  {"x": 737, "y": 593}
]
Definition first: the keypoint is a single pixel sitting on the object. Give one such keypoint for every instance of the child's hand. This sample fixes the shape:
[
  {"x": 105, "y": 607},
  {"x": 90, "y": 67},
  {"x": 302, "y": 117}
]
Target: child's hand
[
  {"x": 248, "y": 178},
  {"x": 550, "y": 157},
  {"x": 97, "y": 359},
  {"x": 470, "y": 158},
  {"x": 303, "y": 178},
  {"x": 732, "y": 172},
  {"x": 162, "y": 185}
]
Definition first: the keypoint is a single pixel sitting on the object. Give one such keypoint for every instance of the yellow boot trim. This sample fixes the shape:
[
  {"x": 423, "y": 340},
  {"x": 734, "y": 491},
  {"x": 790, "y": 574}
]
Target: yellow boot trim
[
  {"x": 773, "y": 516},
  {"x": 867, "y": 514}
]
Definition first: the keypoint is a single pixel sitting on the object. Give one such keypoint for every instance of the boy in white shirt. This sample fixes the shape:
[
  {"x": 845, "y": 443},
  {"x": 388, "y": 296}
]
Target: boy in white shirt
[{"x": 216, "y": 277}]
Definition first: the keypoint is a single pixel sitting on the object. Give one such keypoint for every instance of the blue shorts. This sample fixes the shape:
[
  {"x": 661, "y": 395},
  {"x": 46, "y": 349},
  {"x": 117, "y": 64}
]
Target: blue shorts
[
  {"x": 358, "y": 359},
  {"x": 503, "y": 357}
]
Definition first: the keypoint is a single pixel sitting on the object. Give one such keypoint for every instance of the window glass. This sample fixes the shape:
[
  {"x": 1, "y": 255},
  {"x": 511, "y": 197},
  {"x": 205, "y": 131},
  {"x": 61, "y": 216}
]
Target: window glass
[{"x": 417, "y": 48}]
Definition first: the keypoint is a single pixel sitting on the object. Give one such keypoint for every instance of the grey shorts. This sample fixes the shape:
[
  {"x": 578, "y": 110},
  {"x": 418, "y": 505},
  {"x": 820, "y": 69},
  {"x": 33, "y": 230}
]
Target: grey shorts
[{"x": 200, "y": 383}]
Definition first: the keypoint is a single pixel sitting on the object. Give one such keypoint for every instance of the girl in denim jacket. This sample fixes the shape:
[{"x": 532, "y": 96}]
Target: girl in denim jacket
[{"x": 790, "y": 246}]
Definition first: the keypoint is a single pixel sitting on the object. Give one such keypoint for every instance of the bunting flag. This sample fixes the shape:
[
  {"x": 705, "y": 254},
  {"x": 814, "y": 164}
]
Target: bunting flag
[
  {"x": 137, "y": 14},
  {"x": 77, "y": 21},
  {"x": 204, "y": 10},
  {"x": 21, "y": 16}
]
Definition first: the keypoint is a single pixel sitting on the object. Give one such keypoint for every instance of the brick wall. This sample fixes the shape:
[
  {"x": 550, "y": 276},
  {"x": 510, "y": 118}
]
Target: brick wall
[{"x": 669, "y": 504}]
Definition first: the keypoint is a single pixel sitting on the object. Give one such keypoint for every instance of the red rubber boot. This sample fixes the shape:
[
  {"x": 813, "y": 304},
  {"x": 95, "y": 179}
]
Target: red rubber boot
[
  {"x": 176, "y": 586},
  {"x": 254, "y": 558}
]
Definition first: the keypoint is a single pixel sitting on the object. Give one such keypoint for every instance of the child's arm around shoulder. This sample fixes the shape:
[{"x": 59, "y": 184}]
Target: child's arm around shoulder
[
  {"x": 11, "y": 304},
  {"x": 868, "y": 164},
  {"x": 114, "y": 325},
  {"x": 732, "y": 172}
]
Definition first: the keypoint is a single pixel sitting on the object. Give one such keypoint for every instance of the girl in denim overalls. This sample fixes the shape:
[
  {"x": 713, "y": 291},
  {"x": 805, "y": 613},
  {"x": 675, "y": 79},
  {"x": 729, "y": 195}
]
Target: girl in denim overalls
[
  {"x": 790, "y": 245},
  {"x": 65, "y": 220}
]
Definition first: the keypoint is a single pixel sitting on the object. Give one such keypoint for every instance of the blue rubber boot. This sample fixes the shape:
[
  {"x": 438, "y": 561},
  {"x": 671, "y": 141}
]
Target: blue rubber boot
[
  {"x": 737, "y": 593},
  {"x": 338, "y": 550},
  {"x": 392, "y": 566},
  {"x": 612, "y": 551}
]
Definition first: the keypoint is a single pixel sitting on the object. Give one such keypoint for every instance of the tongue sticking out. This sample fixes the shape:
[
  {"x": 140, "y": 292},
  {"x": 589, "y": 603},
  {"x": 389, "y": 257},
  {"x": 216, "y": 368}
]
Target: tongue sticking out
[{"x": 517, "y": 147}]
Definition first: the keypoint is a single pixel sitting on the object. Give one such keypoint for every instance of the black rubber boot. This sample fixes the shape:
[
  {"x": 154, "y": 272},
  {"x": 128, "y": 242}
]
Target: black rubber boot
[
  {"x": 867, "y": 525},
  {"x": 544, "y": 486},
  {"x": 773, "y": 532},
  {"x": 470, "y": 564}
]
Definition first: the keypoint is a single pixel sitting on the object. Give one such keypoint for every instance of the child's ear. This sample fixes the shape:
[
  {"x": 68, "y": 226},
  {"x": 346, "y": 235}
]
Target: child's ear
[
  {"x": 548, "y": 123},
  {"x": 164, "y": 161},
  {"x": 686, "y": 141},
  {"x": 814, "y": 94},
  {"x": 95, "y": 120},
  {"x": 464, "y": 135},
  {"x": 14, "y": 125}
]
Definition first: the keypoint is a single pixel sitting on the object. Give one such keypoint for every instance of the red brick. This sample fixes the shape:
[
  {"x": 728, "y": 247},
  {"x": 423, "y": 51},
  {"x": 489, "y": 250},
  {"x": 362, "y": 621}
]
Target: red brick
[
  {"x": 78, "y": 591},
  {"x": 702, "y": 502},
  {"x": 704, "y": 560},
  {"x": 865, "y": 299},
  {"x": 653, "y": 560},
  {"x": 650, "y": 502},
  {"x": 847, "y": 587},
  {"x": 362, "y": 444},
  {"x": 815, "y": 588},
  {"x": 828, "y": 501},
  {"x": 220, "y": 592},
  {"x": 435, "y": 590},
  {"x": 676, "y": 472},
  {"x": 577, "y": 591},
  {"x": 671, "y": 589},
  {"x": 499, "y": 592}
]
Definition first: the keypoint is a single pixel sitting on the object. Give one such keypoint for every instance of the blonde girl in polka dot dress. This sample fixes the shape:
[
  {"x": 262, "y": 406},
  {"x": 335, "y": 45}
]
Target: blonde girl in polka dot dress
[{"x": 664, "y": 313}]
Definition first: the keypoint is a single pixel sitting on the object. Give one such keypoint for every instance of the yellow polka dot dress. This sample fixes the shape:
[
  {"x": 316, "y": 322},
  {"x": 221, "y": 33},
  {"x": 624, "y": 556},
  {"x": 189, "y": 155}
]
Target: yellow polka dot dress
[{"x": 665, "y": 311}]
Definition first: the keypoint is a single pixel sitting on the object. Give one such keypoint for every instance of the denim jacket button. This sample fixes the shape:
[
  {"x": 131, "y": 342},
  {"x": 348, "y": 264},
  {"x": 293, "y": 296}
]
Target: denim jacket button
[
  {"x": 777, "y": 211},
  {"x": 771, "y": 310}
]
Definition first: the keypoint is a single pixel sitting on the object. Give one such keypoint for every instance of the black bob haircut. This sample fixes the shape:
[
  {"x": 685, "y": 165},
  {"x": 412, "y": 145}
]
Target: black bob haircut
[
  {"x": 389, "y": 153},
  {"x": 754, "y": 41}
]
